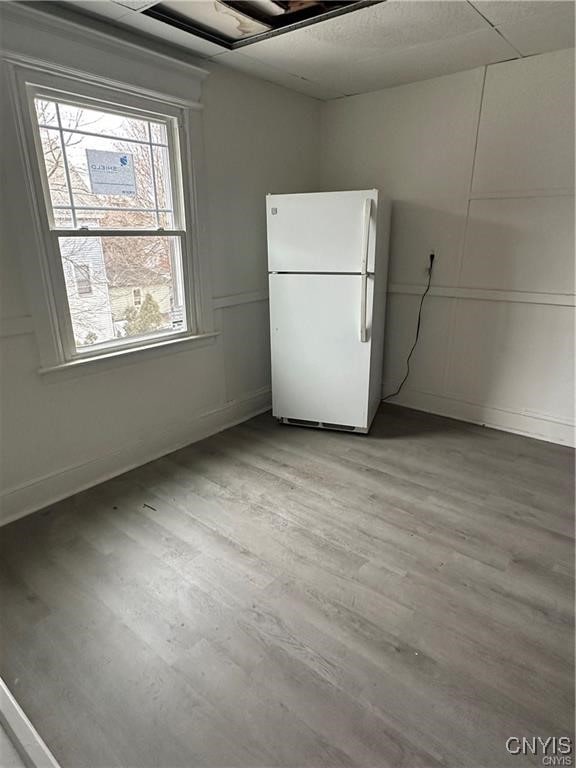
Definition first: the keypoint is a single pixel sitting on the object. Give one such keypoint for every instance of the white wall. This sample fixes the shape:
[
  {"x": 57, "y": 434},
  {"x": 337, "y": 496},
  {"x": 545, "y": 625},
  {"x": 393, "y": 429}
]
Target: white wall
[
  {"x": 61, "y": 432},
  {"x": 480, "y": 168}
]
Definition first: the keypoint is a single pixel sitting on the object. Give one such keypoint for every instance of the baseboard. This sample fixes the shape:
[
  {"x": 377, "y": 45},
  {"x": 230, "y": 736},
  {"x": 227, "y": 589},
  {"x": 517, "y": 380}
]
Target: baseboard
[
  {"x": 22, "y": 734},
  {"x": 29, "y": 497},
  {"x": 530, "y": 425}
]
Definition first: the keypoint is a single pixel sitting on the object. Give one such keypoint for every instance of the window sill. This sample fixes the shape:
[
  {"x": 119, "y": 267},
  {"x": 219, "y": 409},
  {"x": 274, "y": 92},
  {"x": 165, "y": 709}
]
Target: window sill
[{"x": 130, "y": 356}]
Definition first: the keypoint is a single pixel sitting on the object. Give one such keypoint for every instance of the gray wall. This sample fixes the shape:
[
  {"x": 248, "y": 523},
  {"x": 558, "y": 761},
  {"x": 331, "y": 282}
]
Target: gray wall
[
  {"x": 62, "y": 431},
  {"x": 480, "y": 169}
]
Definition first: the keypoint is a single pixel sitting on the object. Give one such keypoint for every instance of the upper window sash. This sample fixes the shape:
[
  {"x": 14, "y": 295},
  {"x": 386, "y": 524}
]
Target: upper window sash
[{"x": 173, "y": 217}]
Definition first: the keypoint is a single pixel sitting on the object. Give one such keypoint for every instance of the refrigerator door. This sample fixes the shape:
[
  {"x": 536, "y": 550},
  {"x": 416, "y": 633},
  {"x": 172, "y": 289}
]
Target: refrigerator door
[
  {"x": 322, "y": 231},
  {"x": 320, "y": 366}
]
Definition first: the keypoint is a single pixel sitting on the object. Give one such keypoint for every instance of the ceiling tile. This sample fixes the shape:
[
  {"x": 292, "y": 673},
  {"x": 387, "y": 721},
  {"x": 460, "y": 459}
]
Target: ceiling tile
[
  {"x": 250, "y": 66},
  {"x": 419, "y": 62},
  {"x": 104, "y": 8},
  {"x": 539, "y": 35},
  {"x": 398, "y": 23},
  {"x": 512, "y": 11},
  {"x": 366, "y": 33},
  {"x": 135, "y": 5}
]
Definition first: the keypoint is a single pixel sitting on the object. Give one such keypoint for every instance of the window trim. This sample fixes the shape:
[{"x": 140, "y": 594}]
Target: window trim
[
  {"x": 53, "y": 233},
  {"x": 27, "y": 78},
  {"x": 130, "y": 356}
]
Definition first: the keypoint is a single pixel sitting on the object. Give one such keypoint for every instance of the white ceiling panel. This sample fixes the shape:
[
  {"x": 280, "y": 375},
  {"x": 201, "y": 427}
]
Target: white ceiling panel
[
  {"x": 135, "y": 5},
  {"x": 398, "y": 23},
  {"x": 419, "y": 62},
  {"x": 109, "y": 10},
  {"x": 364, "y": 34},
  {"x": 512, "y": 11},
  {"x": 542, "y": 34},
  {"x": 256, "y": 68}
]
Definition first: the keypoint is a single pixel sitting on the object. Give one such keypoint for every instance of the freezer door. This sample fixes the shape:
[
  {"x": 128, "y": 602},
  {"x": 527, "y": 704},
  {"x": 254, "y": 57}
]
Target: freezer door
[
  {"x": 322, "y": 232},
  {"x": 320, "y": 367}
]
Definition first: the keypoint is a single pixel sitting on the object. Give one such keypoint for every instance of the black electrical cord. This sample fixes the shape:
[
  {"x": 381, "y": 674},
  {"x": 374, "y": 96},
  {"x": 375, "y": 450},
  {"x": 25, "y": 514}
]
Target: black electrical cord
[{"x": 397, "y": 391}]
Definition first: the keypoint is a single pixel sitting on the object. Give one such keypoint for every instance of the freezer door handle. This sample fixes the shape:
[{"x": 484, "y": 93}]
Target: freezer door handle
[{"x": 364, "y": 268}]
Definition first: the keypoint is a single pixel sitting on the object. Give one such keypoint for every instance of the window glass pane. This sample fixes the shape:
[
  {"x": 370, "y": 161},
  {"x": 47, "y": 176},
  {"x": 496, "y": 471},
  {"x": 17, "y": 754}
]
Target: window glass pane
[
  {"x": 83, "y": 280},
  {"x": 116, "y": 219},
  {"x": 94, "y": 121},
  {"x": 166, "y": 220},
  {"x": 106, "y": 182},
  {"x": 98, "y": 178},
  {"x": 54, "y": 164},
  {"x": 46, "y": 112},
  {"x": 162, "y": 179},
  {"x": 63, "y": 218},
  {"x": 136, "y": 288},
  {"x": 159, "y": 133}
]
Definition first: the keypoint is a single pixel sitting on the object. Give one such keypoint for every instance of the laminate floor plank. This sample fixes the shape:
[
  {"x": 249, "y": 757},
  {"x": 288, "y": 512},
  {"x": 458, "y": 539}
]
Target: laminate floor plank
[{"x": 290, "y": 598}]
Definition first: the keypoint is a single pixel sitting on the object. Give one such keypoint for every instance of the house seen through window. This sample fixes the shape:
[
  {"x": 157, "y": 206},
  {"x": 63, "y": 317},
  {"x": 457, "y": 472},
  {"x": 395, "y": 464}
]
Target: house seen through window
[{"x": 113, "y": 210}]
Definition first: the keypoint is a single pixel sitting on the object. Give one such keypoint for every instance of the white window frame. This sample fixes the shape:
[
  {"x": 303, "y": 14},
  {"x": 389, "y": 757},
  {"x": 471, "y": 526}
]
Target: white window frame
[{"x": 58, "y": 347}]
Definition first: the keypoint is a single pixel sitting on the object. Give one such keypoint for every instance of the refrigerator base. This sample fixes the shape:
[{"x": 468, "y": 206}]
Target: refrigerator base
[{"x": 324, "y": 425}]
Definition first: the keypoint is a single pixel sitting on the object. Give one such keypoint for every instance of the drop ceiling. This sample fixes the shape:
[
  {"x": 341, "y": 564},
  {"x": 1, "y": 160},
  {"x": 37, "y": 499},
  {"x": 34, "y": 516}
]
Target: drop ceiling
[
  {"x": 373, "y": 46},
  {"x": 236, "y": 23}
]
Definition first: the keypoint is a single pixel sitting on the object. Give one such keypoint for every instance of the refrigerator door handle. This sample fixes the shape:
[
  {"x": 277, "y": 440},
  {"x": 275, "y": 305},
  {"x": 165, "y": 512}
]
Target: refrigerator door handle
[
  {"x": 364, "y": 288},
  {"x": 364, "y": 268}
]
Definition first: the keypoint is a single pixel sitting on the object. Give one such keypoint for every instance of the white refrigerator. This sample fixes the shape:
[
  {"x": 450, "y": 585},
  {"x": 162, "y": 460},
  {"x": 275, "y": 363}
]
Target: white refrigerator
[{"x": 327, "y": 264}]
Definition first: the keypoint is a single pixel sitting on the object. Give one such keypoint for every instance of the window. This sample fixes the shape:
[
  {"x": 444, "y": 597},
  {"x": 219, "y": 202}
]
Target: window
[
  {"x": 113, "y": 216},
  {"x": 82, "y": 275}
]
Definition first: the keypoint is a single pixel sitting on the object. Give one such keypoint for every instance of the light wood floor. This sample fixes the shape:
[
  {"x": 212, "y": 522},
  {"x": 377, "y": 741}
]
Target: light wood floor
[{"x": 279, "y": 596}]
